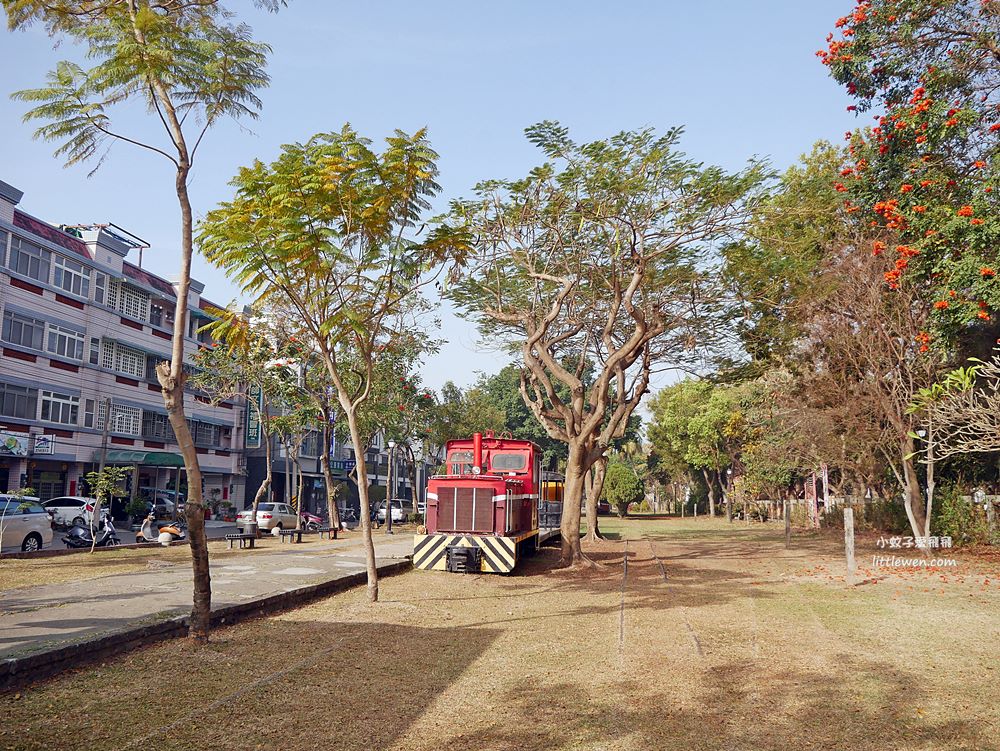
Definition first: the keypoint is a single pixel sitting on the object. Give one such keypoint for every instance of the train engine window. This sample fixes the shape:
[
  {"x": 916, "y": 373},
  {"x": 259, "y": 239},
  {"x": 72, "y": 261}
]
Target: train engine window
[
  {"x": 460, "y": 463},
  {"x": 508, "y": 462}
]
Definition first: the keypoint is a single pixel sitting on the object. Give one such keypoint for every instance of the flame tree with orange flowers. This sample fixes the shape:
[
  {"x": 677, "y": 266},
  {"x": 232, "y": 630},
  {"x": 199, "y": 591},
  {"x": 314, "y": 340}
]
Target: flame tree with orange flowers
[
  {"x": 922, "y": 177},
  {"x": 925, "y": 171}
]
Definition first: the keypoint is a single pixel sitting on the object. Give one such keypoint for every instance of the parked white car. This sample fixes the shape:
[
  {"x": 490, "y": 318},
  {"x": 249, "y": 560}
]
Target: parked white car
[
  {"x": 269, "y": 516},
  {"x": 398, "y": 511},
  {"x": 25, "y": 525},
  {"x": 71, "y": 509}
]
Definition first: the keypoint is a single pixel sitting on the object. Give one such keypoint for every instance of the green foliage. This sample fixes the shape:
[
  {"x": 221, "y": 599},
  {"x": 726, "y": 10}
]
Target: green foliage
[
  {"x": 775, "y": 263},
  {"x": 376, "y": 494},
  {"x": 105, "y": 484},
  {"x": 959, "y": 518},
  {"x": 188, "y": 63},
  {"x": 136, "y": 508},
  {"x": 622, "y": 486}
]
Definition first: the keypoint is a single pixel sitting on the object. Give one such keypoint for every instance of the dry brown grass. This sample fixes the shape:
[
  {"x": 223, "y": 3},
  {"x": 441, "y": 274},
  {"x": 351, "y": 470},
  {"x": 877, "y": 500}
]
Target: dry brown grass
[
  {"x": 30, "y": 572},
  {"x": 734, "y": 644}
]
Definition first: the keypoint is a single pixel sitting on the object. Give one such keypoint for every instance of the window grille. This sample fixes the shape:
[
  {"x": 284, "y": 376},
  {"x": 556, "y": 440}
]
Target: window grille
[{"x": 125, "y": 420}]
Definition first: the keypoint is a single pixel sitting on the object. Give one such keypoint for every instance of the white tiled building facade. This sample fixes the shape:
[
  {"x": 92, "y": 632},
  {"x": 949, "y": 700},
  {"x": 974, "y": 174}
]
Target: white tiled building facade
[{"x": 80, "y": 324}]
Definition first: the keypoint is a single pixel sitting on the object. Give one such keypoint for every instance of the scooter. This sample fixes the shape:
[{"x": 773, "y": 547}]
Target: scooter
[
  {"x": 165, "y": 535},
  {"x": 79, "y": 535},
  {"x": 311, "y": 522}
]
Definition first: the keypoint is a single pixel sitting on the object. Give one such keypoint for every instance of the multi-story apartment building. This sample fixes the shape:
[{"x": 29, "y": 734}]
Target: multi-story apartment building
[{"x": 82, "y": 332}]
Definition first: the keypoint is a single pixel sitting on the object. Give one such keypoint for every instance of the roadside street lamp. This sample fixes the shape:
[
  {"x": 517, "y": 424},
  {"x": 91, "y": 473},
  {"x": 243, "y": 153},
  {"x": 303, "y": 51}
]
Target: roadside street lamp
[{"x": 388, "y": 490}]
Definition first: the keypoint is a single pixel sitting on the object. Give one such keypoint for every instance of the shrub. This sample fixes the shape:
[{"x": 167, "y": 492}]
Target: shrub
[
  {"x": 136, "y": 508},
  {"x": 961, "y": 519}
]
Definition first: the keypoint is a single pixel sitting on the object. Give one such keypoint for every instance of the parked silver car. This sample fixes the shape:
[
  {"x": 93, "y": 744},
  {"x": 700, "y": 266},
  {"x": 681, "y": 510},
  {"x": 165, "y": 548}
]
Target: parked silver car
[
  {"x": 24, "y": 524},
  {"x": 269, "y": 516}
]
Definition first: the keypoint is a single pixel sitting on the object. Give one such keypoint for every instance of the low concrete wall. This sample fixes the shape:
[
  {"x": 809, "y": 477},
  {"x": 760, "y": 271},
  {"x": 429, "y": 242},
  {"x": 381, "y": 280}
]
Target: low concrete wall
[{"x": 16, "y": 672}]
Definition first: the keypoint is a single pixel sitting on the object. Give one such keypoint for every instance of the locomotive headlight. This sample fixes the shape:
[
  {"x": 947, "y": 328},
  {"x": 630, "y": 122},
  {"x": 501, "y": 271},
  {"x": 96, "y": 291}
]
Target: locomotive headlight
[{"x": 476, "y": 470}]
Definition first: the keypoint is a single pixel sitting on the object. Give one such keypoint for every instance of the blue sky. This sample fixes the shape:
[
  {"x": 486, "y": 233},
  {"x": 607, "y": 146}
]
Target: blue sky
[{"x": 740, "y": 76}]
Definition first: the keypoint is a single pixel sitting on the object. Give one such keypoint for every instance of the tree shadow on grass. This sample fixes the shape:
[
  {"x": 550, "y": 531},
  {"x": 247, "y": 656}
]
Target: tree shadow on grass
[
  {"x": 855, "y": 703},
  {"x": 276, "y": 683}
]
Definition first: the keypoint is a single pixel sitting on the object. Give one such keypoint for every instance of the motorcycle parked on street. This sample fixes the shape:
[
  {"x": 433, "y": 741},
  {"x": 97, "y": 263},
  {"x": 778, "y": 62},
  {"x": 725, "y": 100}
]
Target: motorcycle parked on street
[
  {"x": 311, "y": 522},
  {"x": 79, "y": 536},
  {"x": 166, "y": 534}
]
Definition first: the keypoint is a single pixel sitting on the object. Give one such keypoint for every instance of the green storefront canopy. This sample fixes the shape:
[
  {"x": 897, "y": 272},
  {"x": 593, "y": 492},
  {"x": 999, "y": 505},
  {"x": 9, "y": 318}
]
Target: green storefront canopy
[{"x": 145, "y": 458}]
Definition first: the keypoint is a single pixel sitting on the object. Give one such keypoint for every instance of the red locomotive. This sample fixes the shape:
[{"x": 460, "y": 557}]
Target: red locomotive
[{"x": 483, "y": 513}]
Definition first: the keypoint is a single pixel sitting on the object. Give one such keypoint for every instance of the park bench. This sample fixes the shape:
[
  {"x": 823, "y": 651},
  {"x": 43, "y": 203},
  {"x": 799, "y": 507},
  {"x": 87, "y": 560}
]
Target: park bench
[
  {"x": 330, "y": 532},
  {"x": 242, "y": 537},
  {"x": 296, "y": 533}
]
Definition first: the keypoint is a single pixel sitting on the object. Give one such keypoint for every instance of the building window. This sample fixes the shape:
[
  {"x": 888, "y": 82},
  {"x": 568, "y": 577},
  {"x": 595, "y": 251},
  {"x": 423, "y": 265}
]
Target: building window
[
  {"x": 156, "y": 315},
  {"x": 133, "y": 303},
  {"x": 95, "y": 351},
  {"x": 204, "y": 433},
  {"x": 100, "y": 287},
  {"x": 72, "y": 277},
  {"x": 23, "y": 330},
  {"x": 310, "y": 446},
  {"x": 156, "y": 426},
  {"x": 3, "y": 248},
  {"x": 18, "y": 401},
  {"x": 116, "y": 356},
  {"x": 88, "y": 413},
  {"x": 65, "y": 342},
  {"x": 61, "y": 408},
  {"x": 124, "y": 420},
  {"x": 29, "y": 260}
]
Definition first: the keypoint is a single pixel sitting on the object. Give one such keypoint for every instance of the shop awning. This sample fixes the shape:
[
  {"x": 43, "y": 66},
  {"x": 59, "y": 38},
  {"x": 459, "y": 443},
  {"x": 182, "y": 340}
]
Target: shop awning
[{"x": 144, "y": 458}]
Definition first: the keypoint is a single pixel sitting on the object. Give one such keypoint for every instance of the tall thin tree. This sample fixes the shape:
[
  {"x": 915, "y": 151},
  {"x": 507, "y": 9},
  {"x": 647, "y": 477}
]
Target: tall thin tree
[{"x": 192, "y": 66}]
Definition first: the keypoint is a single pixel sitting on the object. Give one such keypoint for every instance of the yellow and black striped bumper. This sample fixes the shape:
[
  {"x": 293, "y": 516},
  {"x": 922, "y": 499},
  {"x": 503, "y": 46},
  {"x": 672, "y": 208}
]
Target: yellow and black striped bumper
[{"x": 499, "y": 553}]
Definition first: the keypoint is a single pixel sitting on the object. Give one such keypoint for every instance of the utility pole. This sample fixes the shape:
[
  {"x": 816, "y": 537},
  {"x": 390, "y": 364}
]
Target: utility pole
[
  {"x": 100, "y": 469},
  {"x": 104, "y": 433}
]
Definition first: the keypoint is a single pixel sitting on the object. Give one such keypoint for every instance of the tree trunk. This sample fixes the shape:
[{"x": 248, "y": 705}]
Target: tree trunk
[
  {"x": 728, "y": 495},
  {"x": 265, "y": 487},
  {"x": 298, "y": 491},
  {"x": 711, "y": 492},
  {"x": 569, "y": 526},
  {"x": 595, "y": 484},
  {"x": 361, "y": 472},
  {"x": 171, "y": 377},
  {"x": 332, "y": 512},
  {"x": 913, "y": 500}
]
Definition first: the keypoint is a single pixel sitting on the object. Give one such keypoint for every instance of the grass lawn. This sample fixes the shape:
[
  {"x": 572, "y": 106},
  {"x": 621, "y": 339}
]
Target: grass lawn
[{"x": 711, "y": 637}]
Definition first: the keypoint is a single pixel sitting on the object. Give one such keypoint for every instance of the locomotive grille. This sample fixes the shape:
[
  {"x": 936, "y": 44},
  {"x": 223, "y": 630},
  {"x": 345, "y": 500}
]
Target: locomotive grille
[{"x": 465, "y": 509}]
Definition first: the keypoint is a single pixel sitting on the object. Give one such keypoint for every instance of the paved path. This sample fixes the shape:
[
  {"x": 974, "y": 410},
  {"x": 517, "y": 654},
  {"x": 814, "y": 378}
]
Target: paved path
[{"x": 45, "y": 617}]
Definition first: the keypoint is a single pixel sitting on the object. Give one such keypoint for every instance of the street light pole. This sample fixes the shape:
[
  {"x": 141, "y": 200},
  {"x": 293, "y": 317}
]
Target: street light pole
[{"x": 388, "y": 490}]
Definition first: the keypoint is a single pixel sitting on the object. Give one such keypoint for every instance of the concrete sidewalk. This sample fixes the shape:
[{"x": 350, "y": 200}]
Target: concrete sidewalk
[{"x": 51, "y": 618}]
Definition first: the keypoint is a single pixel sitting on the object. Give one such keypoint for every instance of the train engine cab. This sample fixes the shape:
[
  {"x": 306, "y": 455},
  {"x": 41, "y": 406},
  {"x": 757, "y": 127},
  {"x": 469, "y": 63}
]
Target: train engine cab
[{"x": 482, "y": 514}]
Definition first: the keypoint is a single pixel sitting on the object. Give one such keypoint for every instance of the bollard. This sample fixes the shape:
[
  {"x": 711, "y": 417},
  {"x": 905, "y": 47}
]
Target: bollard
[{"x": 849, "y": 541}]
